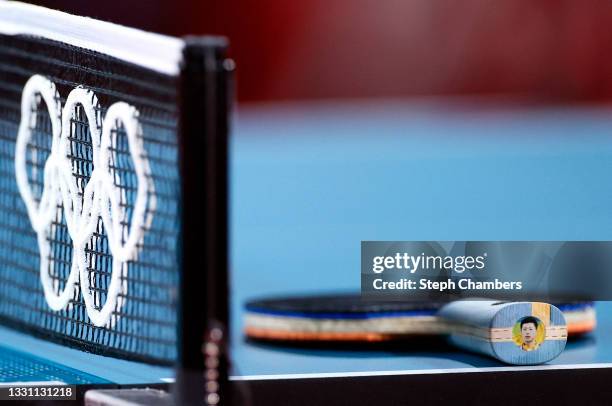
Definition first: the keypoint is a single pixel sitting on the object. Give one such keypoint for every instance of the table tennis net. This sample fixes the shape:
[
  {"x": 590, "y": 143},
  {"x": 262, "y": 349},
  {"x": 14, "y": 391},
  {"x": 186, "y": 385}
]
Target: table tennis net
[{"x": 118, "y": 131}]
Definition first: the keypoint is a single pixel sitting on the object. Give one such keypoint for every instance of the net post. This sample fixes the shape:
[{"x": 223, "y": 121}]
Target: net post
[{"x": 202, "y": 330}]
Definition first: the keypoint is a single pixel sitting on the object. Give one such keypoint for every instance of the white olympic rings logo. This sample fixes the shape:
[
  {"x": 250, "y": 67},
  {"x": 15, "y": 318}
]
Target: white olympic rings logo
[{"x": 83, "y": 208}]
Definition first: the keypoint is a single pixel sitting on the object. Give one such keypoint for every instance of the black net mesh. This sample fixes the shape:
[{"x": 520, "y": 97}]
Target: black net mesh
[{"x": 142, "y": 324}]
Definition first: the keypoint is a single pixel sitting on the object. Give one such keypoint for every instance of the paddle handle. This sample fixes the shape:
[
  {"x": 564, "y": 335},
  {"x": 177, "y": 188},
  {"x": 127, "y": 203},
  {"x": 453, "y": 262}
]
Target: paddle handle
[{"x": 517, "y": 333}]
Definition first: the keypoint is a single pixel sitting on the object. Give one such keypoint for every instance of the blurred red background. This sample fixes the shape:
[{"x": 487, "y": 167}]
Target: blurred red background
[{"x": 551, "y": 50}]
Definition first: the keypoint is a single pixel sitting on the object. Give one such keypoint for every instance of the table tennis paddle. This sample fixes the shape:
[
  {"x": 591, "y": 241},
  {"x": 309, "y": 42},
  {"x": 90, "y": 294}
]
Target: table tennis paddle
[{"x": 487, "y": 324}]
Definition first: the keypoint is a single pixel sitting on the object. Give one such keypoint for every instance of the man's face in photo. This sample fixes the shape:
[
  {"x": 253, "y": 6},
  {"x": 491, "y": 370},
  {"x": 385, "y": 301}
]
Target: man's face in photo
[{"x": 528, "y": 331}]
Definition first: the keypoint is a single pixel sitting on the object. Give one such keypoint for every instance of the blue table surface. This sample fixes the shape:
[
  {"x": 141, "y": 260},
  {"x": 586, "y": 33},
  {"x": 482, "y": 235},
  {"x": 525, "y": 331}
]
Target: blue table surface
[{"x": 310, "y": 181}]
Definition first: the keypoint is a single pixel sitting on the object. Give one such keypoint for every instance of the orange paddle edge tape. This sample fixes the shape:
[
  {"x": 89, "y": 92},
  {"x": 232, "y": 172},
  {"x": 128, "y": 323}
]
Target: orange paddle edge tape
[
  {"x": 581, "y": 328},
  {"x": 284, "y": 335}
]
